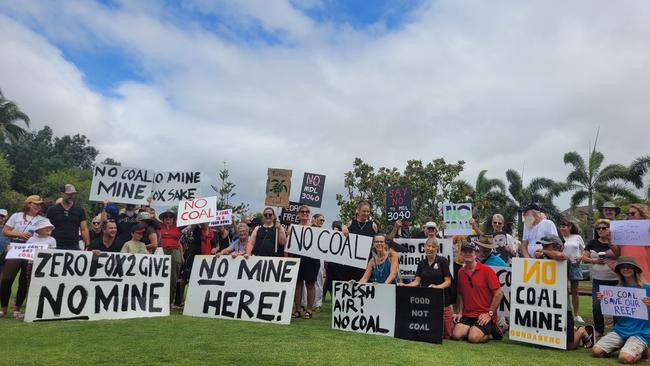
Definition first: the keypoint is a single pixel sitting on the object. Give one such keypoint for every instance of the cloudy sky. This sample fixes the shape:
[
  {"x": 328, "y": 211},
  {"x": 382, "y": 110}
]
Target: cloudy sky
[{"x": 309, "y": 85}]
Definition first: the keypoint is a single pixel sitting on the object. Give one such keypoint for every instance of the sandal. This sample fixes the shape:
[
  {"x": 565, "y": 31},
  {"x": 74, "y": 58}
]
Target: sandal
[
  {"x": 295, "y": 314},
  {"x": 2, "y": 314},
  {"x": 19, "y": 315},
  {"x": 306, "y": 315},
  {"x": 588, "y": 339},
  {"x": 317, "y": 309}
]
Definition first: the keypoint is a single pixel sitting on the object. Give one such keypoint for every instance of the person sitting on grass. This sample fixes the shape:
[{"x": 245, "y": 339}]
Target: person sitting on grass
[
  {"x": 383, "y": 267},
  {"x": 553, "y": 248},
  {"x": 478, "y": 298},
  {"x": 135, "y": 245},
  {"x": 630, "y": 335}
]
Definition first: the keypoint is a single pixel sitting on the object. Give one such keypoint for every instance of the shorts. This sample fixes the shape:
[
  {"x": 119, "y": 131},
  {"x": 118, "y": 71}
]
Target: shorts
[
  {"x": 612, "y": 341},
  {"x": 487, "y": 329},
  {"x": 575, "y": 272},
  {"x": 308, "y": 270}
]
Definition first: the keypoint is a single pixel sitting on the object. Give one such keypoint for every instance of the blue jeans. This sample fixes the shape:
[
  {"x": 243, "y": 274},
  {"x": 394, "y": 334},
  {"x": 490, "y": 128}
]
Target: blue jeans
[{"x": 599, "y": 320}]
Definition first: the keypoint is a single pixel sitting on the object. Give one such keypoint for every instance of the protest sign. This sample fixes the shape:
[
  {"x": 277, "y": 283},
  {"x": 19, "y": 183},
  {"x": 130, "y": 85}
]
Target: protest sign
[
  {"x": 289, "y": 214},
  {"x": 538, "y": 302},
  {"x": 311, "y": 193},
  {"x": 258, "y": 289},
  {"x": 197, "y": 211},
  {"x": 402, "y": 312},
  {"x": 172, "y": 187},
  {"x": 223, "y": 217},
  {"x": 278, "y": 186},
  {"x": 409, "y": 260},
  {"x": 329, "y": 245},
  {"x": 624, "y": 301},
  {"x": 24, "y": 251},
  {"x": 631, "y": 232},
  {"x": 121, "y": 184},
  {"x": 456, "y": 217},
  {"x": 504, "y": 276},
  {"x": 398, "y": 203},
  {"x": 75, "y": 285}
]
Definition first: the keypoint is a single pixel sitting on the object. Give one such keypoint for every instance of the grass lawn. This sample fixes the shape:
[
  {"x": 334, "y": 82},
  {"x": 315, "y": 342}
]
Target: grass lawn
[{"x": 186, "y": 340}]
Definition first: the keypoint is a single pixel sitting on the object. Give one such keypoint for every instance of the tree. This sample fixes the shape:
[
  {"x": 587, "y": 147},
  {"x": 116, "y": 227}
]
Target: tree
[
  {"x": 488, "y": 196},
  {"x": 541, "y": 191},
  {"x": 49, "y": 186},
  {"x": 431, "y": 185},
  {"x": 594, "y": 184},
  {"x": 639, "y": 168},
  {"x": 10, "y": 114},
  {"x": 111, "y": 161},
  {"x": 9, "y": 199},
  {"x": 226, "y": 192}
]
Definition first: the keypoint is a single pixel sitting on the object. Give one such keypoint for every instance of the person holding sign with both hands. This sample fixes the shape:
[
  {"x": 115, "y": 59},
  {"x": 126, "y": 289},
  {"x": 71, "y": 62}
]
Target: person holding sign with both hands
[
  {"x": 307, "y": 273},
  {"x": 269, "y": 239}
]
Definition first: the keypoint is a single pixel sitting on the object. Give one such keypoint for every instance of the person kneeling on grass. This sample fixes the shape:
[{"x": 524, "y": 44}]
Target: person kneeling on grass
[
  {"x": 382, "y": 268},
  {"x": 630, "y": 335},
  {"x": 479, "y": 295},
  {"x": 553, "y": 248},
  {"x": 135, "y": 245}
]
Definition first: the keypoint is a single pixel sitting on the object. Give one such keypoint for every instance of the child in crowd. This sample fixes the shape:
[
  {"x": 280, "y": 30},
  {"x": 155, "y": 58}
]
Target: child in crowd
[
  {"x": 43, "y": 229},
  {"x": 135, "y": 245}
]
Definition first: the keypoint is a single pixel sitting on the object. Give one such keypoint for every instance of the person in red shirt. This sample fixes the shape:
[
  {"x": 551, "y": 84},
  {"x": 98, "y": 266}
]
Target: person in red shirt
[
  {"x": 479, "y": 295},
  {"x": 170, "y": 236}
]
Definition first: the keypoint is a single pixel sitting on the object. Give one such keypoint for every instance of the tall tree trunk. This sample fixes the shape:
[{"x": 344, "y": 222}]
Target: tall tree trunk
[
  {"x": 520, "y": 225},
  {"x": 590, "y": 217}
]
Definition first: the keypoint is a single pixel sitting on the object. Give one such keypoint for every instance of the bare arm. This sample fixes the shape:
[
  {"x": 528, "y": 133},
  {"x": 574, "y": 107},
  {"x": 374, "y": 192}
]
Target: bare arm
[
  {"x": 394, "y": 263},
  {"x": 251, "y": 242},
  {"x": 415, "y": 282},
  {"x": 85, "y": 234},
  {"x": 524, "y": 249},
  {"x": 446, "y": 283},
  {"x": 282, "y": 235},
  {"x": 153, "y": 241},
  {"x": 366, "y": 275},
  {"x": 393, "y": 232}
]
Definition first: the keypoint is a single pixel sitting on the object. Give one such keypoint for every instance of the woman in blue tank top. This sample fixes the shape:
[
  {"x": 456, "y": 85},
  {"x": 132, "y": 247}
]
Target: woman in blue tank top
[{"x": 383, "y": 267}]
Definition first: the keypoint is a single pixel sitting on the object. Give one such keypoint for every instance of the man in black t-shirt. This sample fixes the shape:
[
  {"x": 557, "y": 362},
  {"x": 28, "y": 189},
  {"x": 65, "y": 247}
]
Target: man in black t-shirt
[
  {"x": 69, "y": 219},
  {"x": 108, "y": 241},
  {"x": 125, "y": 221}
]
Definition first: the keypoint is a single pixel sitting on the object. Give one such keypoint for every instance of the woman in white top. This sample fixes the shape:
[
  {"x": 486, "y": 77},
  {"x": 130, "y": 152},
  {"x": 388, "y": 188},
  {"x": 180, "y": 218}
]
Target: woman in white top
[{"x": 573, "y": 249}]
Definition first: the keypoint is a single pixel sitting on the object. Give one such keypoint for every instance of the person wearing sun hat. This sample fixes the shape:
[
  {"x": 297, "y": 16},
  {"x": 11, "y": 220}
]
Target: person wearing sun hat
[
  {"x": 151, "y": 237},
  {"x": 630, "y": 335},
  {"x": 609, "y": 210},
  {"x": 42, "y": 235},
  {"x": 486, "y": 246}
]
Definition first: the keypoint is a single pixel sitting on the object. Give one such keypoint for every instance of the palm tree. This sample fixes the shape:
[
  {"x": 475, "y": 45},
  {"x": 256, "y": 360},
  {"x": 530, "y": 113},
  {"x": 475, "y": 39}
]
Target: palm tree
[
  {"x": 639, "y": 168},
  {"x": 487, "y": 195},
  {"x": 9, "y": 115},
  {"x": 540, "y": 190},
  {"x": 594, "y": 184}
]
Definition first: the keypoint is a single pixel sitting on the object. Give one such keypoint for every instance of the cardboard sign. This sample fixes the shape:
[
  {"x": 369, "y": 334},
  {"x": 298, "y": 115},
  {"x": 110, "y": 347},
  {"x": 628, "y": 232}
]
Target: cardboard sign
[
  {"x": 172, "y": 187},
  {"x": 121, "y": 184},
  {"x": 456, "y": 216},
  {"x": 329, "y": 245},
  {"x": 289, "y": 214},
  {"x": 538, "y": 302},
  {"x": 224, "y": 217},
  {"x": 401, "y": 312},
  {"x": 624, "y": 301},
  {"x": 311, "y": 193},
  {"x": 505, "y": 278},
  {"x": 278, "y": 187},
  {"x": 398, "y": 203},
  {"x": 258, "y": 289},
  {"x": 24, "y": 251},
  {"x": 75, "y": 285},
  {"x": 408, "y": 261},
  {"x": 631, "y": 232},
  {"x": 197, "y": 211}
]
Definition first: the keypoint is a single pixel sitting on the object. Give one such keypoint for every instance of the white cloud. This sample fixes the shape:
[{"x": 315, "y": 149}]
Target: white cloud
[{"x": 494, "y": 84}]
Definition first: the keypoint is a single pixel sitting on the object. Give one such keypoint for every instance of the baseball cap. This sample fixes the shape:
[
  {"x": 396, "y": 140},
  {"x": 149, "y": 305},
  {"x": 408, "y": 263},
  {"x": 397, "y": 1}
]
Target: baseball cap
[
  {"x": 138, "y": 229},
  {"x": 468, "y": 245},
  {"x": 68, "y": 189},
  {"x": 431, "y": 224},
  {"x": 530, "y": 206},
  {"x": 551, "y": 240},
  {"x": 3, "y": 212}
]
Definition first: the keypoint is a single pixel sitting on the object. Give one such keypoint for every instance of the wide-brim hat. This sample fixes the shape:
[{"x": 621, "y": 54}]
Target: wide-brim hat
[
  {"x": 34, "y": 199},
  {"x": 626, "y": 260},
  {"x": 610, "y": 204},
  {"x": 167, "y": 213},
  {"x": 42, "y": 224},
  {"x": 431, "y": 224},
  {"x": 551, "y": 240},
  {"x": 485, "y": 242},
  {"x": 144, "y": 216}
]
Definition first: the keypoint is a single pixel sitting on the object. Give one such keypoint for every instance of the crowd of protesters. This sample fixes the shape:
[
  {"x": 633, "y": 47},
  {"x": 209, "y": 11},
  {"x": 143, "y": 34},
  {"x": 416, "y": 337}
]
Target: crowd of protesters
[{"x": 472, "y": 293}]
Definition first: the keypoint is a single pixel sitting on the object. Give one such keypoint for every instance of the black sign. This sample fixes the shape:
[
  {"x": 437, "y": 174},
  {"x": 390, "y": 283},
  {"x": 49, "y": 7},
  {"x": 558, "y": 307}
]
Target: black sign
[
  {"x": 418, "y": 314},
  {"x": 289, "y": 215},
  {"x": 398, "y": 203},
  {"x": 311, "y": 193}
]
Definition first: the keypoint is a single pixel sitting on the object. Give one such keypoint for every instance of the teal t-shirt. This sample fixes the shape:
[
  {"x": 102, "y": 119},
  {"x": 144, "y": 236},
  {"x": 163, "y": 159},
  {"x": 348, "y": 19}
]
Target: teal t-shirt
[{"x": 628, "y": 327}]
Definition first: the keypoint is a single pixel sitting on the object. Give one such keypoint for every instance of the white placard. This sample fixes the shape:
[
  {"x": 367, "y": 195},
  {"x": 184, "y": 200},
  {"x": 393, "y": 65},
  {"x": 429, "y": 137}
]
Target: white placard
[
  {"x": 624, "y": 301},
  {"x": 630, "y": 232},
  {"x": 456, "y": 217},
  {"x": 408, "y": 261},
  {"x": 538, "y": 302},
  {"x": 173, "y": 187},
  {"x": 363, "y": 308},
  {"x": 197, "y": 211},
  {"x": 75, "y": 285},
  {"x": 258, "y": 289},
  {"x": 121, "y": 184},
  {"x": 24, "y": 251},
  {"x": 224, "y": 217},
  {"x": 329, "y": 245}
]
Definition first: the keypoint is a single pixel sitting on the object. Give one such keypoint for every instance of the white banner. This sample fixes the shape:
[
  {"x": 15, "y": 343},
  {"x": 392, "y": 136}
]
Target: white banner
[
  {"x": 538, "y": 307},
  {"x": 121, "y": 184},
  {"x": 224, "y": 217},
  {"x": 329, "y": 245},
  {"x": 24, "y": 251},
  {"x": 256, "y": 289},
  {"x": 624, "y": 301},
  {"x": 75, "y": 285},
  {"x": 197, "y": 211},
  {"x": 631, "y": 232},
  {"x": 408, "y": 261},
  {"x": 363, "y": 308},
  {"x": 173, "y": 187},
  {"x": 457, "y": 216},
  {"x": 504, "y": 276}
]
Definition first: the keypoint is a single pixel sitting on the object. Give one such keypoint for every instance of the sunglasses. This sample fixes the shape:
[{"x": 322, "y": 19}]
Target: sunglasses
[
  {"x": 96, "y": 223},
  {"x": 602, "y": 228},
  {"x": 496, "y": 223},
  {"x": 304, "y": 211},
  {"x": 632, "y": 213},
  {"x": 268, "y": 215}
]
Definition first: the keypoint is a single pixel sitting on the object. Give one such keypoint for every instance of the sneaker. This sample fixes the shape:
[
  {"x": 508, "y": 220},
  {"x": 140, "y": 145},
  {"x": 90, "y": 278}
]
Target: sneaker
[{"x": 578, "y": 319}]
